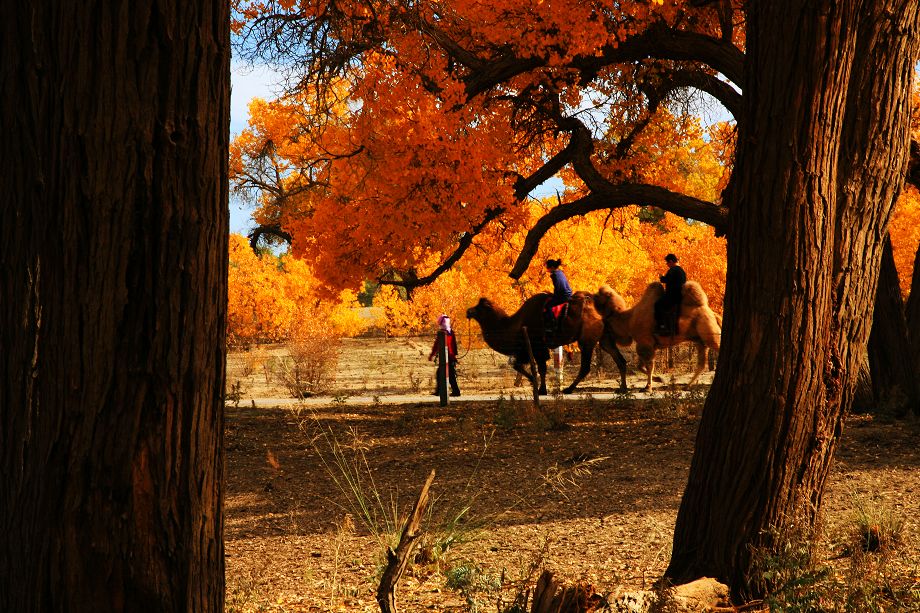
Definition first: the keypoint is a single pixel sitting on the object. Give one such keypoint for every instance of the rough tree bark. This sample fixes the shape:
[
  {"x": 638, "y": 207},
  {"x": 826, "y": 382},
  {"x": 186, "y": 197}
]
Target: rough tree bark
[
  {"x": 894, "y": 380},
  {"x": 821, "y": 157},
  {"x": 113, "y": 260}
]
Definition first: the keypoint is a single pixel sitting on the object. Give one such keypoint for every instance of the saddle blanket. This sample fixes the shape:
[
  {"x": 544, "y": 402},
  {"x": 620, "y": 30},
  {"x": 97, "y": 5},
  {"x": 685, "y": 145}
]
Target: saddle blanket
[{"x": 559, "y": 310}]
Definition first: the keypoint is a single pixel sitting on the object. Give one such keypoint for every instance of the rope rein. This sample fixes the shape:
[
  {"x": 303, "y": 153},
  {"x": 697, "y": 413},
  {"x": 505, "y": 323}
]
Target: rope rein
[{"x": 469, "y": 339}]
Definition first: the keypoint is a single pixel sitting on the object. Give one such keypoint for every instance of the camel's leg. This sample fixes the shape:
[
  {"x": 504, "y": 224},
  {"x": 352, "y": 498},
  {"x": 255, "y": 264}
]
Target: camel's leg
[
  {"x": 646, "y": 355},
  {"x": 700, "y": 362},
  {"x": 541, "y": 366},
  {"x": 611, "y": 348},
  {"x": 522, "y": 371},
  {"x": 586, "y": 351}
]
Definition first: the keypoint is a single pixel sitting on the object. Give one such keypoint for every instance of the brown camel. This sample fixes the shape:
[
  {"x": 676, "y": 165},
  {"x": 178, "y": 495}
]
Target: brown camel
[
  {"x": 503, "y": 333},
  {"x": 697, "y": 324}
]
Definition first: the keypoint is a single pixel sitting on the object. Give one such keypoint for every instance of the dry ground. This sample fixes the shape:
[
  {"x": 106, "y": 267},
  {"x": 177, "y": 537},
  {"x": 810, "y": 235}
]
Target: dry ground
[{"x": 590, "y": 489}]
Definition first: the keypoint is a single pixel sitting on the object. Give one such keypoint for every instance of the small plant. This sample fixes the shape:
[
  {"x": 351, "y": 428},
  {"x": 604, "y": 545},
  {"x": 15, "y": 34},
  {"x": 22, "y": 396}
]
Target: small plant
[
  {"x": 415, "y": 382},
  {"x": 878, "y": 529},
  {"x": 235, "y": 393},
  {"x": 310, "y": 365},
  {"x": 344, "y": 529},
  {"x": 789, "y": 570},
  {"x": 875, "y": 540},
  {"x": 347, "y": 466},
  {"x": 269, "y": 367},
  {"x": 507, "y": 412},
  {"x": 553, "y": 417},
  {"x": 785, "y": 568},
  {"x": 476, "y": 585}
]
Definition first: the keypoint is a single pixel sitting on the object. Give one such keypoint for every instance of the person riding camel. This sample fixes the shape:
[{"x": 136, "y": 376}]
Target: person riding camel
[
  {"x": 667, "y": 305},
  {"x": 562, "y": 293}
]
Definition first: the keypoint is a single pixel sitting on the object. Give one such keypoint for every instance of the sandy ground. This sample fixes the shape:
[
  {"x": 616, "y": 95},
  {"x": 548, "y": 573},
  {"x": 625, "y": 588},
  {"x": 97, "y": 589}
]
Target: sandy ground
[{"x": 589, "y": 487}]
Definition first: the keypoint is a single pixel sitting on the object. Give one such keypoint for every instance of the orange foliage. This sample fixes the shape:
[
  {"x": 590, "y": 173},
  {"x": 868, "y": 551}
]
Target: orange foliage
[
  {"x": 271, "y": 299},
  {"x": 905, "y": 222},
  {"x": 400, "y": 202},
  {"x": 905, "y": 235},
  {"x": 378, "y": 170}
]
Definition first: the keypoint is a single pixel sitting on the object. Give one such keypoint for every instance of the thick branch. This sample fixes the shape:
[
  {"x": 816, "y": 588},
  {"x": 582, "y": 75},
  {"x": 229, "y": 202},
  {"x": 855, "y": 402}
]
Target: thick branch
[
  {"x": 712, "y": 85},
  {"x": 465, "y": 241},
  {"x": 663, "y": 43},
  {"x": 657, "y": 43},
  {"x": 617, "y": 196},
  {"x": 725, "y": 20},
  {"x": 525, "y": 185},
  {"x": 913, "y": 165},
  {"x": 272, "y": 230}
]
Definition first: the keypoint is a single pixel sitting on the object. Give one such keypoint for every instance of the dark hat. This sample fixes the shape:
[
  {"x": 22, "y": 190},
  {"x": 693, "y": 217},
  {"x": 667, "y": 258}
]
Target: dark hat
[{"x": 670, "y": 258}]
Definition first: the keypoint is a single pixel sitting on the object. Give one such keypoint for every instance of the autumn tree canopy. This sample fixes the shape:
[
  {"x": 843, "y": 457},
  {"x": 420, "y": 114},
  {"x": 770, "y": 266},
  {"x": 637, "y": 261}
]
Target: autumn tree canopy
[{"x": 413, "y": 131}]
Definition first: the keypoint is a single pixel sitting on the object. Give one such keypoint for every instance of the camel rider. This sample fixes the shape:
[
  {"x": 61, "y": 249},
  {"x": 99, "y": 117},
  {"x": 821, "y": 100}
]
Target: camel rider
[
  {"x": 562, "y": 292},
  {"x": 665, "y": 306}
]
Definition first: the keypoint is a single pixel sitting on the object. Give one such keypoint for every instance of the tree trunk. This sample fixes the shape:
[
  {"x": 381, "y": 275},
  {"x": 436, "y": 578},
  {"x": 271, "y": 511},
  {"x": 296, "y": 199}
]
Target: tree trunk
[
  {"x": 863, "y": 396},
  {"x": 912, "y": 312},
  {"x": 113, "y": 263},
  {"x": 894, "y": 382},
  {"x": 821, "y": 157}
]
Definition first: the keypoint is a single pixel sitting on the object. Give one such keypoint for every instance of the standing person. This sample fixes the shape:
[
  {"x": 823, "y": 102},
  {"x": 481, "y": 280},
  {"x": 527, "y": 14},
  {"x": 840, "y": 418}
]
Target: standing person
[
  {"x": 562, "y": 292},
  {"x": 451, "y": 340},
  {"x": 673, "y": 281}
]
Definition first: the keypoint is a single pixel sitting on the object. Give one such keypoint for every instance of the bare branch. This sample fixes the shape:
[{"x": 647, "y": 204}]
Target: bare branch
[{"x": 466, "y": 239}]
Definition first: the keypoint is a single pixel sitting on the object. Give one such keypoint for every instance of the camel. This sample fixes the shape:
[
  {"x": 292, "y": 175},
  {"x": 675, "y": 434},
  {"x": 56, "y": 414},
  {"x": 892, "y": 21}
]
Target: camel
[
  {"x": 697, "y": 323},
  {"x": 503, "y": 333}
]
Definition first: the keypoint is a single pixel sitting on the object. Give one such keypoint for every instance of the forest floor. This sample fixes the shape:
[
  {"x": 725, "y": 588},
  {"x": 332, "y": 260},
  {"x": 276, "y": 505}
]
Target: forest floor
[{"x": 588, "y": 487}]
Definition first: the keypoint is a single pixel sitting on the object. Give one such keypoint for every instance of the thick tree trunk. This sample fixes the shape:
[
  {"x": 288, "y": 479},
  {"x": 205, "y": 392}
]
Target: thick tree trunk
[
  {"x": 912, "y": 312},
  {"x": 113, "y": 259},
  {"x": 894, "y": 382},
  {"x": 821, "y": 157}
]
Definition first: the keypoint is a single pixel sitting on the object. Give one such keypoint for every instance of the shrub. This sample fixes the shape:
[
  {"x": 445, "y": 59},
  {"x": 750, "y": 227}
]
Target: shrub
[{"x": 310, "y": 366}]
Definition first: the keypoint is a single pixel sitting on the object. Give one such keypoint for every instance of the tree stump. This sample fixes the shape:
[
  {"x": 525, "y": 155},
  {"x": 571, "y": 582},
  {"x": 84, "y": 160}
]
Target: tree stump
[{"x": 552, "y": 597}]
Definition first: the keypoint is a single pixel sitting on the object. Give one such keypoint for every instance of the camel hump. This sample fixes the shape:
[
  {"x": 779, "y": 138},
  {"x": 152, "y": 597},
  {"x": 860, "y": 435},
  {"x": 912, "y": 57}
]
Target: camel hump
[
  {"x": 653, "y": 291},
  {"x": 693, "y": 295},
  {"x": 608, "y": 301}
]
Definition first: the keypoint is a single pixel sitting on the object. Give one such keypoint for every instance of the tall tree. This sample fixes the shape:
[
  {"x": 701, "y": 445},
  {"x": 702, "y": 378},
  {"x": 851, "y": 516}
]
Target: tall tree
[
  {"x": 821, "y": 94},
  {"x": 113, "y": 258},
  {"x": 810, "y": 199}
]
